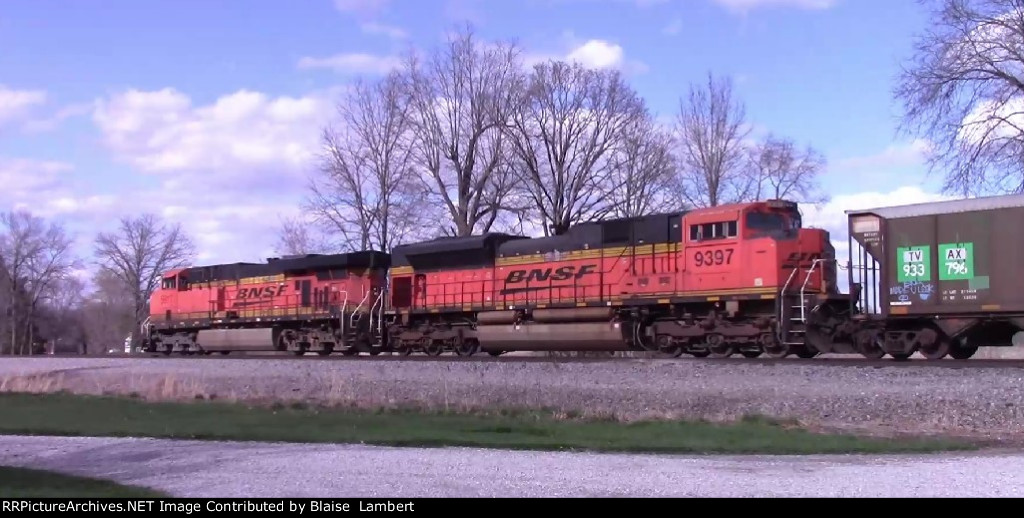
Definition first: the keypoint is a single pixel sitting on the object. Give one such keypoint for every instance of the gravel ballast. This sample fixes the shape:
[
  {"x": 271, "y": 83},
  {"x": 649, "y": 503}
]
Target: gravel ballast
[
  {"x": 229, "y": 469},
  {"x": 986, "y": 403}
]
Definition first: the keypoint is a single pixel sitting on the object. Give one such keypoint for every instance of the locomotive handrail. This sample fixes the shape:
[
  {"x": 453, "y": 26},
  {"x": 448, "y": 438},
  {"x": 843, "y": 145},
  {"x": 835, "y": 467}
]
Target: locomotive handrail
[
  {"x": 782, "y": 303},
  {"x": 803, "y": 288},
  {"x": 352, "y": 319},
  {"x": 380, "y": 316},
  {"x": 344, "y": 306},
  {"x": 144, "y": 327}
]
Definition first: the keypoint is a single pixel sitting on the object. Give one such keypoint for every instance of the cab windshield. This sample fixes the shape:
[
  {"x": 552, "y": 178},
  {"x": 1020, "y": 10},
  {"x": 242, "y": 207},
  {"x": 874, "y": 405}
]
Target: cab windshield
[{"x": 775, "y": 223}]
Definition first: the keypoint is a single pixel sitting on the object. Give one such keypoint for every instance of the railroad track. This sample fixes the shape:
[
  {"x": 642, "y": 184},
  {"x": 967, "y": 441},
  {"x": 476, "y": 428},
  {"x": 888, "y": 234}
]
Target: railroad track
[{"x": 840, "y": 361}]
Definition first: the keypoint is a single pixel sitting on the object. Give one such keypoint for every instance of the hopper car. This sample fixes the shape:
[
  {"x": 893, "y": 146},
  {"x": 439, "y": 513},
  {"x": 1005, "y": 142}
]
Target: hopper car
[{"x": 742, "y": 279}]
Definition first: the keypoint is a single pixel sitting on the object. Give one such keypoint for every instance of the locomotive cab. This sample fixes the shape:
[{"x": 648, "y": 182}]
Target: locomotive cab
[
  {"x": 166, "y": 296},
  {"x": 805, "y": 255}
]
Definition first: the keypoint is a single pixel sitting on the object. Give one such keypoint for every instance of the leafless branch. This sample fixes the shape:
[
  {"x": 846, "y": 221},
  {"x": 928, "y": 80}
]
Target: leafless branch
[
  {"x": 781, "y": 171},
  {"x": 463, "y": 95},
  {"x": 108, "y": 314},
  {"x": 299, "y": 237},
  {"x": 139, "y": 252},
  {"x": 367, "y": 191},
  {"x": 646, "y": 172},
  {"x": 711, "y": 130},
  {"x": 36, "y": 256},
  {"x": 564, "y": 137},
  {"x": 963, "y": 88}
]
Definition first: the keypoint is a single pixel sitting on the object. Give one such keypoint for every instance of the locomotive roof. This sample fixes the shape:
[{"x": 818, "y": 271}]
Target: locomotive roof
[
  {"x": 467, "y": 251},
  {"x": 944, "y": 207},
  {"x": 652, "y": 228},
  {"x": 275, "y": 266}
]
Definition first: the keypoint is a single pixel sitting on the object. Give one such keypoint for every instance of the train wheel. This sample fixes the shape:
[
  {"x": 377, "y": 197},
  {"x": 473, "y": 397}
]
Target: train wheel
[
  {"x": 468, "y": 347},
  {"x": 433, "y": 349},
  {"x": 723, "y": 350},
  {"x": 872, "y": 351},
  {"x": 962, "y": 353},
  {"x": 936, "y": 350},
  {"x": 719, "y": 348},
  {"x": 669, "y": 352},
  {"x": 805, "y": 352}
]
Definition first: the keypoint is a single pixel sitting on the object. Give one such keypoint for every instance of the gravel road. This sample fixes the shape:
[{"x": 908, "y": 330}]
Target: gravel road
[
  {"x": 206, "y": 470},
  {"x": 983, "y": 402}
]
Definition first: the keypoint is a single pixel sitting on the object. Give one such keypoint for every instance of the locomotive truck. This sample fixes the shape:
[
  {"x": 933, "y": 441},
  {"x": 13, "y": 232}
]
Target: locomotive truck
[{"x": 746, "y": 279}]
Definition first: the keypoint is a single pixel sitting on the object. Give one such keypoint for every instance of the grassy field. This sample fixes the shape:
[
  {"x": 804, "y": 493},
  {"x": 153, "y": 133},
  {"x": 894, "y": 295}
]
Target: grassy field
[
  {"x": 31, "y": 483},
  {"x": 60, "y": 414}
]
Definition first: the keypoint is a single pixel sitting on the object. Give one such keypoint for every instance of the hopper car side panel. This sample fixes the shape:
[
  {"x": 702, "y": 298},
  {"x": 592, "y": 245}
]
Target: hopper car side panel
[{"x": 938, "y": 278}]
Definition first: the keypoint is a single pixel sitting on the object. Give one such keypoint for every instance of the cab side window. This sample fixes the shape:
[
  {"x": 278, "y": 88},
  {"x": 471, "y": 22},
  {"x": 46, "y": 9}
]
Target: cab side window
[{"x": 710, "y": 231}]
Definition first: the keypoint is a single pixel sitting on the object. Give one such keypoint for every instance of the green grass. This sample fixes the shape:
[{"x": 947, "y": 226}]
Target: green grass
[
  {"x": 69, "y": 415},
  {"x": 33, "y": 483}
]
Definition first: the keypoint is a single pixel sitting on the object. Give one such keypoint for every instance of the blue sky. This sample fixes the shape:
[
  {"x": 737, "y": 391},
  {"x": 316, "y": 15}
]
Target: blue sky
[{"x": 206, "y": 111}]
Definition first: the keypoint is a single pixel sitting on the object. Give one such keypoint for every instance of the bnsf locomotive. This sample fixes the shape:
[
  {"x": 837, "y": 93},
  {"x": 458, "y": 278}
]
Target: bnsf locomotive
[{"x": 745, "y": 278}]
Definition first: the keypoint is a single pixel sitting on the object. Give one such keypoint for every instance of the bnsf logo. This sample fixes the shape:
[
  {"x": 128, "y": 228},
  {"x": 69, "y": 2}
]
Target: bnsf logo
[
  {"x": 796, "y": 259},
  {"x": 261, "y": 293},
  {"x": 541, "y": 274}
]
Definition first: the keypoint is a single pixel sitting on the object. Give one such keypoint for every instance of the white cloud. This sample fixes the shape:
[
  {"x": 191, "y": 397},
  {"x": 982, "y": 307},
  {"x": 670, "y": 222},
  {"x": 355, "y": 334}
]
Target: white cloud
[
  {"x": 18, "y": 104},
  {"x": 674, "y": 26},
  {"x": 991, "y": 121},
  {"x": 592, "y": 53},
  {"x": 744, "y": 6},
  {"x": 598, "y": 54},
  {"x": 380, "y": 29},
  {"x": 27, "y": 182},
  {"x": 52, "y": 122},
  {"x": 465, "y": 10},
  {"x": 244, "y": 136},
  {"x": 230, "y": 232},
  {"x": 361, "y": 7},
  {"x": 353, "y": 63},
  {"x": 896, "y": 155},
  {"x": 832, "y": 216},
  {"x": 225, "y": 170}
]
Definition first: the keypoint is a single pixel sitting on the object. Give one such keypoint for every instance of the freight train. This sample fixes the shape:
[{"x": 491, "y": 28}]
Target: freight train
[{"x": 750, "y": 279}]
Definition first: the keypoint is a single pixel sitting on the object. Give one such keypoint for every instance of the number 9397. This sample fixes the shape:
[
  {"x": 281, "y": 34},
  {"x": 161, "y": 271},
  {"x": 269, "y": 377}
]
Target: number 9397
[{"x": 704, "y": 258}]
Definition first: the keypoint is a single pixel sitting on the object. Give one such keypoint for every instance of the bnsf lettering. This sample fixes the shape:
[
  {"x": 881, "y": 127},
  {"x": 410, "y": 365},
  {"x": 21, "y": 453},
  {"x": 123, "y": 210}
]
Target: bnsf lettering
[
  {"x": 797, "y": 258},
  {"x": 261, "y": 293},
  {"x": 554, "y": 274}
]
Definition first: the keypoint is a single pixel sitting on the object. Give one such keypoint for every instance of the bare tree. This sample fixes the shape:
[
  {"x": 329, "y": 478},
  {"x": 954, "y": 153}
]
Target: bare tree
[
  {"x": 366, "y": 189},
  {"x": 645, "y": 171},
  {"x": 463, "y": 96},
  {"x": 36, "y": 256},
  {"x": 781, "y": 171},
  {"x": 963, "y": 88},
  {"x": 299, "y": 237},
  {"x": 108, "y": 314},
  {"x": 139, "y": 253},
  {"x": 572, "y": 121},
  {"x": 711, "y": 131},
  {"x": 63, "y": 325}
]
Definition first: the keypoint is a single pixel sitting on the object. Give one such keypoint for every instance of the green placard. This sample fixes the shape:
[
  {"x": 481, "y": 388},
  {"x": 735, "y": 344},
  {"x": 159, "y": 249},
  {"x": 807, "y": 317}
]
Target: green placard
[
  {"x": 913, "y": 263},
  {"x": 956, "y": 261}
]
